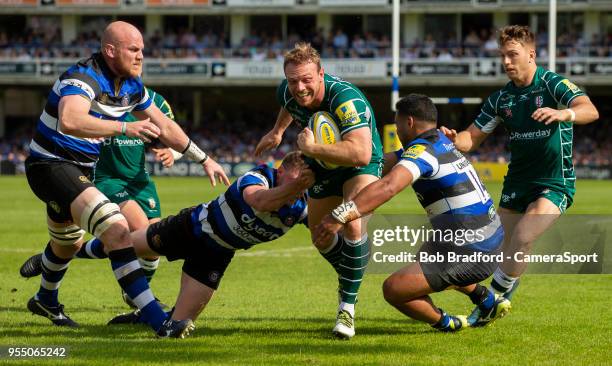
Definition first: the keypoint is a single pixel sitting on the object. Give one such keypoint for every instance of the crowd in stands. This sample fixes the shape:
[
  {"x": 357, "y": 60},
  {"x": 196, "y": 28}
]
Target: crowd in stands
[{"x": 185, "y": 44}]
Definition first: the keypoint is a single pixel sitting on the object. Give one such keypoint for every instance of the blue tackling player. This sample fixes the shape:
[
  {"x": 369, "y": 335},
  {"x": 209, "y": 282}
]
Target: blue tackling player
[
  {"x": 454, "y": 198},
  {"x": 260, "y": 206}
]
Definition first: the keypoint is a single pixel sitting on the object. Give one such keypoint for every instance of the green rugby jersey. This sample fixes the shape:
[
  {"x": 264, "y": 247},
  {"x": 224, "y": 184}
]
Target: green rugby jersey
[
  {"x": 539, "y": 153},
  {"x": 344, "y": 101},
  {"x": 123, "y": 157}
]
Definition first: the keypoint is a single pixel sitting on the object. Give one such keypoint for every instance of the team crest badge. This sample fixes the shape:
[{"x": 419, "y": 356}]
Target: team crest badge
[
  {"x": 125, "y": 101},
  {"x": 214, "y": 276},
  {"x": 152, "y": 203},
  {"x": 289, "y": 221},
  {"x": 539, "y": 101},
  {"x": 54, "y": 206},
  {"x": 156, "y": 241},
  {"x": 84, "y": 179}
]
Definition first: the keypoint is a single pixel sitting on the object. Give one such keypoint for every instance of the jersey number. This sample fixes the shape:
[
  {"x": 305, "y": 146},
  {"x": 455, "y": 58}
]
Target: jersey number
[{"x": 473, "y": 177}]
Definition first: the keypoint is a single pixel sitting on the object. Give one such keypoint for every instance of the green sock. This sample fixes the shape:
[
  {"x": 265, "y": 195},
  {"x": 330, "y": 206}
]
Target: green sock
[
  {"x": 352, "y": 267},
  {"x": 333, "y": 254},
  {"x": 149, "y": 267}
]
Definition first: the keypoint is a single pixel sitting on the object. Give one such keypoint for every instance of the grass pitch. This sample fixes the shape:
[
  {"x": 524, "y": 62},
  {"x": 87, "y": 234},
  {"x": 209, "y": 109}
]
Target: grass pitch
[{"x": 277, "y": 304}]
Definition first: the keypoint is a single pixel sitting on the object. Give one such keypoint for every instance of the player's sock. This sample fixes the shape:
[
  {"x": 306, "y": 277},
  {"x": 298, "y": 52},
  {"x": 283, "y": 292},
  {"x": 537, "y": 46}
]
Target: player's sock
[
  {"x": 53, "y": 270},
  {"x": 482, "y": 297},
  {"x": 450, "y": 323},
  {"x": 131, "y": 278},
  {"x": 347, "y": 307},
  {"x": 444, "y": 321},
  {"x": 501, "y": 282},
  {"x": 149, "y": 267},
  {"x": 355, "y": 257},
  {"x": 333, "y": 254},
  {"x": 93, "y": 249}
]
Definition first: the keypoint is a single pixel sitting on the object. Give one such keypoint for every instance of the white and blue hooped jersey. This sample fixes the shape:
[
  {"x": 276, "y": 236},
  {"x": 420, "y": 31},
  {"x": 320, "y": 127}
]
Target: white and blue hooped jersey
[
  {"x": 233, "y": 224},
  {"x": 449, "y": 189},
  {"x": 110, "y": 97}
]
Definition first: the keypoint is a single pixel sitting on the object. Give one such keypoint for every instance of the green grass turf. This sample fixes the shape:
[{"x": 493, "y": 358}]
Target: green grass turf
[{"x": 277, "y": 304}]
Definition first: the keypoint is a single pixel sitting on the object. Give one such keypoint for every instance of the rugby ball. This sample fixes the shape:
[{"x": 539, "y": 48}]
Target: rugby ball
[{"x": 326, "y": 131}]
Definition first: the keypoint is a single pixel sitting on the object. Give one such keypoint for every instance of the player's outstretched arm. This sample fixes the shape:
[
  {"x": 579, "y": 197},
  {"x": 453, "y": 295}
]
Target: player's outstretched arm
[
  {"x": 75, "y": 120},
  {"x": 465, "y": 141},
  {"x": 355, "y": 148},
  {"x": 273, "y": 138},
  {"x": 171, "y": 133},
  {"x": 173, "y": 136},
  {"x": 368, "y": 199},
  {"x": 581, "y": 112},
  {"x": 271, "y": 199}
]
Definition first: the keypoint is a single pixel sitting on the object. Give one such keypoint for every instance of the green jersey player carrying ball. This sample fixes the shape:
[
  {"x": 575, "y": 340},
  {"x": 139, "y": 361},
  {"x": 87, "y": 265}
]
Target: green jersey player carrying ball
[
  {"x": 538, "y": 109},
  {"x": 306, "y": 90}
]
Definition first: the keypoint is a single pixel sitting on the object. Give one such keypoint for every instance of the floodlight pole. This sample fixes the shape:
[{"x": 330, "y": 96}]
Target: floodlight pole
[
  {"x": 395, "y": 39},
  {"x": 552, "y": 35}
]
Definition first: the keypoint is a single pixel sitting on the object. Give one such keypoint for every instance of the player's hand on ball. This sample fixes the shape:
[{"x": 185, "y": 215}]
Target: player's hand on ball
[
  {"x": 549, "y": 115},
  {"x": 144, "y": 130},
  {"x": 214, "y": 171},
  {"x": 270, "y": 141},
  {"x": 305, "y": 140},
  {"x": 325, "y": 231},
  {"x": 449, "y": 133}
]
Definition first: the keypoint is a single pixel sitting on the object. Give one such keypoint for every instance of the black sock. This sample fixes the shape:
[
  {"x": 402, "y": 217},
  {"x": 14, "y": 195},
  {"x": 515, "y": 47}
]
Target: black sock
[{"x": 479, "y": 294}]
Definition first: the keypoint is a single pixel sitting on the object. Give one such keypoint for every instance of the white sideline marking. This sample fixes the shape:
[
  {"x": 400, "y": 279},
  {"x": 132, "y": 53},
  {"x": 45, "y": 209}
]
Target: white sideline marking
[
  {"x": 21, "y": 250},
  {"x": 274, "y": 252},
  {"x": 241, "y": 253}
]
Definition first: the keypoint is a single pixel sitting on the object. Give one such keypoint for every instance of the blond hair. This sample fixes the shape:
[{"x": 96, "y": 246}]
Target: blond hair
[
  {"x": 302, "y": 53},
  {"x": 518, "y": 33}
]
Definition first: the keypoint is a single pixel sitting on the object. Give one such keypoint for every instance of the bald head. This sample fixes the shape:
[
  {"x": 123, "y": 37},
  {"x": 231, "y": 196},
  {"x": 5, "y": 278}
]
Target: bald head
[
  {"x": 118, "y": 32},
  {"x": 122, "y": 47}
]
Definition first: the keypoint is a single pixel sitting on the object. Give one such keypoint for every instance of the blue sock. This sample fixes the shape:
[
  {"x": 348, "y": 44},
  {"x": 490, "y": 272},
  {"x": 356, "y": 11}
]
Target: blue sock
[
  {"x": 93, "y": 249},
  {"x": 54, "y": 269},
  {"x": 131, "y": 278},
  {"x": 488, "y": 302},
  {"x": 444, "y": 321}
]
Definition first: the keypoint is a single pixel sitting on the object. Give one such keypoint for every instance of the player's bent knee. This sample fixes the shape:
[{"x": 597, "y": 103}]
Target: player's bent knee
[
  {"x": 66, "y": 235},
  {"x": 116, "y": 236},
  {"x": 99, "y": 215},
  {"x": 391, "y": 289}
]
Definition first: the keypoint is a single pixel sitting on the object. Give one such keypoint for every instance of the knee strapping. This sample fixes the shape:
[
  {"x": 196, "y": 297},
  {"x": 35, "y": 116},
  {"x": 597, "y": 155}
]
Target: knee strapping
[
  {"x": 99, "y": 215},
  {"x": 66, "y": 235}
]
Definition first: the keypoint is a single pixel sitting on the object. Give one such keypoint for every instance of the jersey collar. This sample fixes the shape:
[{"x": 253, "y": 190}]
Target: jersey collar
[{"x": 538, "y": 72}]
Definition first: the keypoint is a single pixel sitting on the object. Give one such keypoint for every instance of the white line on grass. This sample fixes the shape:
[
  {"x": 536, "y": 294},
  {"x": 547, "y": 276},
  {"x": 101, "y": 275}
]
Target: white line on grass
[
  {"x": 274, "y": 252},
  {"x": 258, "y": 253}
]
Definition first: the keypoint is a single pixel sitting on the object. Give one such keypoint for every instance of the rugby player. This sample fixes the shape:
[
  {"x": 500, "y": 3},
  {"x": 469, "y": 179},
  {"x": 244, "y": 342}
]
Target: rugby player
[
  {"x": 260, "y": 206},
  {"x": 538, "y": 108},
  {"x": 121, "y": 176},
  {"x": 86, "y": 104},
  {"x": 306, "y": 90},
  {"x": 454, "y": 198}
]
